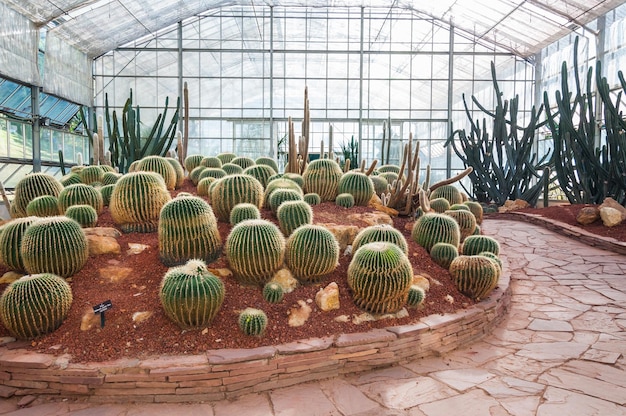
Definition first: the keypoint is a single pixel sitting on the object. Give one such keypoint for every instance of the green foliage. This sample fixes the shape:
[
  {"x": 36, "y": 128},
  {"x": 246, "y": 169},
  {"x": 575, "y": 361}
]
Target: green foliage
[
  {"x": 439, "y": 205},
  {"x": 273, "y": 292},
  {"x": 80, "y": 194},
  {"x": 226, "y": 157},
  {"x": 85, "y": 215},
  {"x": 312, "y": 252},
  {"x": 443, "y": 254},
  {"x": 35, "y": 305},
  {"x": 161, "y": 166},
  {"x": 344, "y": 200},
  {"x": 252, "y": 322},
  {"x": 193, "y": 161},
  {"x": 211, "y": 162},
  {"x": 30, "y": 187},
  {"x": 380, "y": 232},
  {"x": 322, "y": 177},
  {"x": 244, "y": 211},
  {"x": 232, "y": 169},
  {"x": 350, "y": 151},
  {"x": 466, "y": 221},
  {"x": 261, "y": 172},
  {"x": 282, "y": 195},
  {"x": 474, "y": 276},
  {"x": 476, "y": 244},
  {"x": 268, "y": 161},
  {"x": 232, "y": 190},
  {"x": 293, "y": 214},
  {"x": 11, "y": 240},
  {"x": 416, "y": 296},
  {"x": 43, "y": 206},
  {"x": 357, "y": 184},
  {"x": 433, "y": 228},
  {"x": 243, "y": 161},
  {"x": 449, "y": 192},
  {"x": 312, "y": 199},
  {"x": 91, "y": 174}
]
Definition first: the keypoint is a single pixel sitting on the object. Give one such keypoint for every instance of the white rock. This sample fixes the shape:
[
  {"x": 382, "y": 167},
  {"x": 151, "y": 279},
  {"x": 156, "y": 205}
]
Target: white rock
[{"x": 610, "y": 216}]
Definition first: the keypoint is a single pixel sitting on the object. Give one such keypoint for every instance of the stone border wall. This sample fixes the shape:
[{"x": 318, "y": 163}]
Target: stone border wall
[{"x": 227, "y": 373}]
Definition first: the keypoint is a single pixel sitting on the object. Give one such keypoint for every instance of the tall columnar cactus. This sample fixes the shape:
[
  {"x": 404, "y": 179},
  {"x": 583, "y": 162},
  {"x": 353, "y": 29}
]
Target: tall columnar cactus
[
  {"x": 312, "y": 199},
  {"x": 211, "y": 162},
  {"x": 232, "y": 190},
  {"x": 85, "y": 215},
  {"x": 476, "y": 209},
  {"x": 194, "y": 175},
  {"x": 232, "y": 169},
  {"x": 273, "y": 292},
  {"x": 192, "y": 161},
  {"x": 137, "y": 200},
  {"x": 466, "y": 221},
  {"x": 267, "y": 161},
  {"x": 449, "y": 192},
  {"x": 35, "y": 305},
  {"x": 10, "y": 241},
  {"x": 344, "y": 200},
  {"x": 279, "y": 183},
  {"x": 252, "y": 322},
  {"x": 203, "y": 186},
  {"x": 216, "y": 173},
  {"x": 380, "y": 276},
  {"x": 439, "y": 205},
  {"x": 54, "y": 245},
  {"x": 80, "y": 194},
  {"x": 279, "y": 196},
  {"x": 476, "y": 244},
  {"x": 293, "y": 214},
  {"x": 432, "y": 228},
  {"x": 91, "y": 174},
  {"x": 322, "y": 177},
  {"x": 243, "y": 161},
  {"x": 244, "y": 211},
  {"x": 178, "y": 168},
  {"x": 43, "y": 206},
  {"x": 226, "y": 157},
  {"x": 380, "y": 232},
  {"x": 188, "y": 230},
  {"x": 110, "y": 178},
  {"x": 255, "y": 250},
  {"x": 106, "y": 191},
  {"x": 474, "y": 276},
  {"x": 416, "y": 296},
  {"x": 160, "y": 165},
  {"x": 380, "y": 184},
  {"x": 312, "y": 253},
  {"x": 191, "y": 295},
  {"x": 261, "y": 172},
  {"x": 357, "y": 184},
  {"x": 30, "y": 187},
  {"x": 443, "y": 254}
]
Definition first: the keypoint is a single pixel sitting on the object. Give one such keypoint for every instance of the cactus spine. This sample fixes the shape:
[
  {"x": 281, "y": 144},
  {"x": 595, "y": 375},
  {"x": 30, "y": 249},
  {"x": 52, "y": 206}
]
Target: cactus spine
[
  {"x": 280, "y": 183},
  {"x": 474, "y": 276},
  {"x": 226, "y": 157},
  {"x": 30, "y": 187},
  {"x": 344, "y": 200},
  {"x": 252, "y": 322},
  {"x": 322, "y": 177},
  {"x": 293, "y": 214},
  {"x": 43, "y": 206},
  {"x": 80, "y": 194},
  {"x": 178, "y": 169},
  {"x": 268, "y": 161},
  {"x": 203, "y": 186},
  {"x": 216, "y": 173},
  {"x": 244, "y": 211},
  {"x": 380, "y": 232},
  {"x": 380, "y": 184},
  {"x": 432, "y": 228},
  {"x": 243, "y": 161},
  {"x": 106, "y": 192},
  {"x": 194, "y": 175},
  {"x": 312, "y": 253},
  {"x": 357, "y": 184},
  {"x": 10, "y": 241},
  {"x": 110, "y": 178},
  {"x": 439, "y": 205},
  {"x": 85, "y": 215},
  {"x": 232, "y": 190},
  {"x": 476, "y": 209}
]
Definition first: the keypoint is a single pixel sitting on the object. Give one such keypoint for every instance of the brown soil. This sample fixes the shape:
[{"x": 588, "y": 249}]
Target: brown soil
[{"x": 121, "y": 337}]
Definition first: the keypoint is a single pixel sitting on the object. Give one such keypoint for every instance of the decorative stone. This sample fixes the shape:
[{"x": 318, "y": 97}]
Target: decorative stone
[
  {"x": 367, "y": 317},
  {"x": 513, "y": 205},
  {"x": 115, "y": 274},
  {"x": 298, "y": 315},
  {"x": 588, "y": 215},
  {"x": 610, "y": 216},
  {"x": 136, "y": 248},
  {"x": 223, "y": 272},
  {"x": 89, "y": 320},
  {"x": 327, "y": 298},
  {"x": 611, "y": 203},
  {"x": 343, "y": 233},
  {"x": 373, "y": 218},
  {"x": 139, "y": 317},
  {"x": 6, "y": 340},
  {"x": 103, "y": 245},
  {"x": 286, "y": 280},
  {"x": 422, "y": 282},
  {"x": 103, "y": 232},
  {"x": 10, "y": 277}
]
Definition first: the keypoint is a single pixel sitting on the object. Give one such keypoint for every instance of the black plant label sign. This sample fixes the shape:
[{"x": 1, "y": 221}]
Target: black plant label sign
[{"x": 101, "y": 308}]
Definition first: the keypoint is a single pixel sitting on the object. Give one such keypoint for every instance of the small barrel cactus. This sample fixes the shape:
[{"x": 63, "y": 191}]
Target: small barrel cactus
[
  {"x": 35, "y": 305},
  {"x": 232, "y": 169},
  {"x": 194, "y": 175},
  {"x": 10, "y": 241},
  {"x": 91, "y": 174},
  {"x": 312, "y": 252},
  {"x": 232, "y": 190},
  {"x": 109, "y": 178},
  {"x": 255, "y": 250},
  {"x": 433, "y": 228},
  {"x": 191, "y": 295},
  {"x": 244, "y": 211},
  {"x": 188, "y": 230},
  {"x": 192, "y": 161},
  {"x": 243, "y": 161},
  {"x": 449, "y": 192},
  {"x": 226, "y": 157},
  {"x": 106, "y": 192},
  {"x": 85, "y": 215},
  {"x": 178, "y": 168},
  {"x": 476, "y": 209},
  {"x": 43, "y": 206},
  {"x": 54, "y": 245},
  {"x": 282, "y": 195},
  {"x": 474, "y": 276},
  {"x": 465, "y": 219},
  {"x": 390, "y": 177},
  {"x": 312, "y": 199},
  {"x": 261, "y": 172},
  {"x": 380, "y": 232},
  {"x": 203, "y": 186},
  {"x": 216, "y": 173},
  {"x": 252, "y": 322},
  {"x": 280, "y": 183},
  {"x": 293, "y": 214},
  {"x": 322, "y": 177},
  {"x": 380, "y": 184},
  {"x": 439, "y": 205},
  {"x": 30, "y": 187},
  {"x": 389, "y": 168},
  {"x": 70, "y": 178},
  {"x": 357, "y": 184},
  {"x": 80, "y": 194},
  {"x": 273, "y": 292},
  {"x": 211, "y": 162},
  {"x": 476, "y": 244},
  {"x": 380, "y": 276},
  {"x": 456, "y": 207},
  {"x": 160, "y": 165},
  {"x": 416, "y": 296},
  {"x": 443, "y": 254},
  {"x": 267, "y": 161},
  {"x": 344, "y": 200}
]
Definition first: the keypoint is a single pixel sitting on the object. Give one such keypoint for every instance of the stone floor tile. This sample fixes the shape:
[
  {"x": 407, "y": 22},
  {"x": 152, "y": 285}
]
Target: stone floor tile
[
  {"x": 552, "y": 336},
  {"x": 552, "y": 351},
  {"x": 348, "y": 399},
  {"x": 475, "y": 355},
  {"x": 598, "y": 371},
  {"x": 600, "y": 356},
  {"x": 48, "y": 409},
  {"x": 167, "y": 409},
  {"x": 404, "y": 394},
  {"x": 302, "y": 400},
  {"x": 390, "y": 373},
  {"x": 473, "y": 403},
  {"x": 252, "y": 405},
  {"x": 463, "y": 379},
  {"x": 507, "y": 386},
  {"x": 428, "y": 365},
  {"x": 518, "y": 366},
  {"x": 550, "y": 325},
  {"x": 558, "y": 377},
  {"x": 109, "y": 410},
  {"x": 7, "y": 406},
  {"x": 595, "y": 322},
  {"x": 558, "y": 401},
  {"x": 521, "y": 406}
]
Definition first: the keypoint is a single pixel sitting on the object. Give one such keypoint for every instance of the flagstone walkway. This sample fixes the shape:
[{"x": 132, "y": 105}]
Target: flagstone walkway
[{"x": 560, "y": 352}]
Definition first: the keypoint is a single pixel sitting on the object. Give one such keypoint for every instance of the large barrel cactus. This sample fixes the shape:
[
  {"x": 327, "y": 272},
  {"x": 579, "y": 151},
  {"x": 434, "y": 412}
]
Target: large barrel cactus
[
  {"x": 10, "y": 241},
  {"x": 194, "y": 175},
  {"x": 211, "y": 162},
  {"x": 191, "y": 295},
  {"x": 232, "y": 169},
  {"x": 30, "y": 187},
  {"x": 70, "y": 179},
  {"x": 91, "y": 174},
  {"x": 160, "y": 165},
  {"x": 110, "y": 178},
  {"x": 312, "y": 252},
  {"x": 293, "y": 214},
  {"x": 380, "y": 232},
  {"x": 232, "y": 190},
  {"x": 85, "y": 215},
  {"x": 55, "y": 245},
  {"x": 279, "y": 196},
  {"x": 255, "y": 250},
  {"x": 267, "y": 161},
  {"x": 380, "y": 276},
  {"x": 180, "y": 171},
  {"x": 474, "y": 276},
  {"x": 279, "y": 183},
  {"x": 188, "y": 230},
  {"x": 357, "y": 184},
  {"x": 261, "y": 172},
  {"x": 216, "y": 173},
  {"x": 35, "y": 305},
  {"x": 476, "y": 209},
  {"x": 322, "y": 177},
  {"x": 80, "y": 194},
  {"x": 439, "y": 205},
  {"x": 203, "y": 186},
  {"x": 137, "y": 200},
  {"x": 226, "y": 157},
  {"x": 465, "y": 219},
  {"x": 243, "y": 161},
  {"x": 449, "y": 192},
  {"x": 433, "y": 228},
  {"x": 443, "y": 254},
  {"x": 43, "y": 206},
  {"x": 244, "y": 211},
  {"x": 192, "y": 161},
  {"x": 476, "y": 244}
]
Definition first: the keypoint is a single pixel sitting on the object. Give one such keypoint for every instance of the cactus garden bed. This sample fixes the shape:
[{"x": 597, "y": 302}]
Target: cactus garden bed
[{"x": 153, "y": 333}]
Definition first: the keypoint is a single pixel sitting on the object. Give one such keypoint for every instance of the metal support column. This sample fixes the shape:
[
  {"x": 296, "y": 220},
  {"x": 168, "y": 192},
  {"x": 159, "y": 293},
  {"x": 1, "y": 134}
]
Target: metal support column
[
  {"x": 36, "y": 139},
  {"x": 271, "y": 91},
  {"x": 361, "y": 71},
  {"x": 600, "y": 38},
  {"x": 180, "y": 72},
  {"x": 450, "y": 99}
]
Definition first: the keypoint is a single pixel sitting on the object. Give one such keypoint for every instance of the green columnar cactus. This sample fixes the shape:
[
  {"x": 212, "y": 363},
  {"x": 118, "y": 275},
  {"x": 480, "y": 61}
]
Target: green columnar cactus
[
  {"x": 160, "y": 165},
  {"x": 80, "y": 194},
  {"x": 211, "y": 162},
  {"x": 293, "y": 214},
  {"x": 106, "y": 192},
  {"x": 390, "y": 177},
  {"x": 203, "y": 186},
  {"x": 244, "y": 211},
  {"x": 267, "y": 161},
  {"x": 30, "y": 187},
  {"x": 191, "y": 295},
  {"x": 476, "y": 209},
  {"x": 226, "y": 157},
  {"x": 192, "y": 161},
  {"x": 137, "y": 200},
  {"x": 255, "y": 250},
  {"x": 474, "y": 276},
  {"x": 433, "y": 228},
  {"x": 54, "y": 245},
  {"x": 261, "y": 172},
  {"x": 216, "y": 173},
  {"x": 188, "y": 230},
  {"x": 194, "y": 175},
  {"x": 91, "y": 174},
  {"x": 280, "y": 183},
  {"x": 252, "y": 322},
  {"x": 110, "y": 178},
  {"x": 344, "y": 200},
  {"x": 322, "y": 177},
  {"x": 380, "y": 277},
  {"x": 273, "y": 292},
  {"x": 380, "y": 184},
  {"x": 282, "y": 195},
  {"x": 312, "y": 252},
  {"x": 85, "y": 215},
  {"x": 380, "y": 232},
  {"x": 476, "y": 244},
  {"x": 232, "y": 169},
  {"x": 35, "y": 305},
  {"x": 232, "y": 190},
  {"x": 443, "y": 254},
  {"x": 416, "y": 296},
  {"x": 439, "y": 205},
  {"x": 243, "y": 161},
  {"x": 43, "y": 206},
  {"x": 10, "y": 241},
  {"x": 449, "y": 192},
  {"x": 178, "y": 169},
  {"x": 357, "y": 184},
  {"x": 466, "y": 221},
  {"x": 312, "y": 199},
  {"x": 389, "y": 168}
]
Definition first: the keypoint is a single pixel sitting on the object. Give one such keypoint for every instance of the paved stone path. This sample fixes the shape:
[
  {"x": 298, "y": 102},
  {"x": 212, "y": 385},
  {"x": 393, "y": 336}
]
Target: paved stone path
[{"x": 559, "y": 352}]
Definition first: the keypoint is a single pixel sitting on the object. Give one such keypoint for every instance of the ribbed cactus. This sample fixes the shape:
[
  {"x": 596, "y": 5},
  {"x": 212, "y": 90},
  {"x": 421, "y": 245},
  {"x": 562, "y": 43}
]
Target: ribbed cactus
[
  {"x": 380, "y": 276},
  {"x": 188, "y": 230},
  {"x": 477, "y": 230},
  {"x": 85, "y": 215},
  {"x": 211, "y": 162},
  {"x": 70, "y": 179},
  {"x": 390, "y": 177},
  {"x": 465, "y": 219},
  {"x": 10, "y": 241},
  {"x": 439, "y": 205},
  {"x": 267, "y": 161},
  {"x": 244, "y": 211},
  {"x": 107, "y": 168},
  {"x": 178, "y": 169},
  {"x": 312, "y": 199},
  {"x": 389, "y": 168},
  {"x": 243, "y": 161},
  {"x": 416, "y": 296},
  {"x": 476, "y": 209},
  {"x": 226, "y": 157},
  {"x": 43, "y": 206},
  {"x": 494, "y": 258},
  {"x": 322, "y": 177},
  {"x": 476, "y": 244},
  {"x": 261, "y": 172},
  {"x": 357, "y": 184},
  {"x": 203, "y": 186},
  {"x": 432, "y": 228},
  {"x": 282, "y": 195},
  {"x": 293, "y": 214},
  {"x": 35, "y": 305},
  {"x": 192, "y": 161},
  {"x": 80, "y": 194},
  {"x": 312, "y": 252},
  {"x": 194, "y": 175},
  {"x": 191, "y": 295},
  {"x": 160, "y": 165},
  {"x": 216, "y": 173},
  {"x": 456, "y": 207},
  {"x": 443, "y": 254},
  {"x": 252, "y": 322},
  {"x": 91, "y": 174},
  {"x": 232, "y": 190},
  {"x": 133, "y": 166},
  {"x": 449, "y": 192},
  {"x": 232, "y": 169},
  {"x": 344, "y": 200},
  {"x": 137, "y": 200},
  {"x": 273, "y": 292},
  {"x": 54, "y": 245},
  {"x": 279, "y": 183},
  {"x": 30, "y": 187},
  {"x": 110, "y": 178},
  {"x": 380, "y": 232},
  {"x": 106, "y": 192},
  {"x": 380, "y": 184},
  {"x": 474, "y": 276},
  {"x": 255, "y": 250},
  {"x": 297, "y": 178}
]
